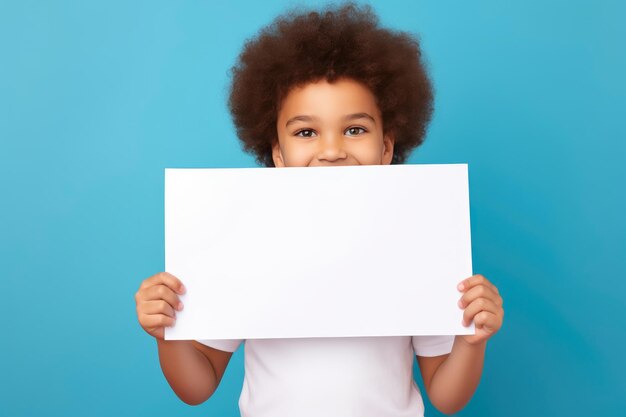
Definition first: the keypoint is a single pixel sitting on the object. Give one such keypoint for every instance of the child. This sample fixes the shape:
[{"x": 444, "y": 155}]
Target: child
[{"x": 329, "y": 88}]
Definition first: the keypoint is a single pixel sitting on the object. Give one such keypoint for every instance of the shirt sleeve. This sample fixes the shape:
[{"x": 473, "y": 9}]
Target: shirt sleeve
[
  {"x": 226, "y": 345},
  {"x": 432, "y": 345}
]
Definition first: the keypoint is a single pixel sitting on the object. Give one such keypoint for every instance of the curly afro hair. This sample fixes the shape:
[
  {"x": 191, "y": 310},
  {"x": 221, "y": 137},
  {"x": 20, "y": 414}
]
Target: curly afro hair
[{"x": 337, "y": 42}]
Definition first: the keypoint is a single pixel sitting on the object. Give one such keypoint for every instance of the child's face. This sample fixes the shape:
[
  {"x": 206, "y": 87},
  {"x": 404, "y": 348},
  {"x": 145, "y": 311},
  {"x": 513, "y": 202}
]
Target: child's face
[{"x": 331, "y": 124}]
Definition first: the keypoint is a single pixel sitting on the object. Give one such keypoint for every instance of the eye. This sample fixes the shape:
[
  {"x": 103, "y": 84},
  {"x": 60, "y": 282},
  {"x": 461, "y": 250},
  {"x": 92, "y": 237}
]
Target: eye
[
  {"x": 305, "y": 133},
  {"x": 354, "y": 131}
]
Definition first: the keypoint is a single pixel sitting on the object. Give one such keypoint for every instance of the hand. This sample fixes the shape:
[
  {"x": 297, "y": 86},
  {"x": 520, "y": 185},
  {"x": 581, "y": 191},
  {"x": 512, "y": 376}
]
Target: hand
[
  {"x": 483, "y": 304},
  {"x": 157, "y": 301}
]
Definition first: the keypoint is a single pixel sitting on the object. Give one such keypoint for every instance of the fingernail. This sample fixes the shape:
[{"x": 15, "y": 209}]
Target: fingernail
[
  {"x": 182, "y": 289},
  {"x": 460, "y": 303},
  {"x": 179, "y": 306},
  {"x": 460, "y": 286}
]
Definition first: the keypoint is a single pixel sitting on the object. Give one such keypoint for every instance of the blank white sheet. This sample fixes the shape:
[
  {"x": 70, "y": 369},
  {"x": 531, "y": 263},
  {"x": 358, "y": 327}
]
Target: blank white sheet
[{"x": 318, "y": 251}]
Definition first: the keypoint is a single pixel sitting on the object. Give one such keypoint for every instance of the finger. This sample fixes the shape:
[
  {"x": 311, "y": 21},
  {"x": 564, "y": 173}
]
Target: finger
[
  {"x": 161, "y": 292},
  {"x": 479, "y": 291},
  {"x": 157, "y": 320},
  {"x": 474, "y": 280},
  {"x": 487, "y": 321},
  {"x": 477, "y": 306},
  {"x": 156, "y": 307},
  {"x": 159, "y": 333},
  {"x": 164, "y": 278}
]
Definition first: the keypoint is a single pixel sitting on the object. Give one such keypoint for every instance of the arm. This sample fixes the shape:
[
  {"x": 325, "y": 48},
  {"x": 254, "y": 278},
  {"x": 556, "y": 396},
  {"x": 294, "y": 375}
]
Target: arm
[
  {"x": 451, "y": 380},
  {"x": 192, "y": 369}
]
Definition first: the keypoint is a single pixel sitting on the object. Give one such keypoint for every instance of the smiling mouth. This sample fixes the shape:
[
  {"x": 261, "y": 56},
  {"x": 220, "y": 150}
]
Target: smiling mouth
[{"x": 336, "y": 164}]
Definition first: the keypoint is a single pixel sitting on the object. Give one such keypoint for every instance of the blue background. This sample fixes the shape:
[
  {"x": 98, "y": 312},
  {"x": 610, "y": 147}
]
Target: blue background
[{"x": 97, "y": 98}]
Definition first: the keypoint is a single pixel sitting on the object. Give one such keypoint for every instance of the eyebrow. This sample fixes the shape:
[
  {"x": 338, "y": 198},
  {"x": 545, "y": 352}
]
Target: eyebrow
[
  {"x": 357, "y": 116},
  {"x": 305, "y": 118},
  {"x": 301, "y": 119}
]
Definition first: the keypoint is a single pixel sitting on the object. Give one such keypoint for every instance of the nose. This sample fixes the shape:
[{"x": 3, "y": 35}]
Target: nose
[{"x": 331, "y": 148}]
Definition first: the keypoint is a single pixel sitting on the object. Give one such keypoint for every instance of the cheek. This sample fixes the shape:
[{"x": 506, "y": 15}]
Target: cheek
[
  {"x": 297, "y": 154},
  {"x": 369, "y": 153}
]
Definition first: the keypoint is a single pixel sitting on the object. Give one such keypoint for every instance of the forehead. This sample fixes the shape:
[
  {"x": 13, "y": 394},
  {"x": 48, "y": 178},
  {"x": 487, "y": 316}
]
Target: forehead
[{"x": 329, "y": 100}]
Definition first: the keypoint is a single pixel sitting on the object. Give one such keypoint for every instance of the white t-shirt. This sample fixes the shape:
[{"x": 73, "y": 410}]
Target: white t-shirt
[{"x": 333, "y": 377}]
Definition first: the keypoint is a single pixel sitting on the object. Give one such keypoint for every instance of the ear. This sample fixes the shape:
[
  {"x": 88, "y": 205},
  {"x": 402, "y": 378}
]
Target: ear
[
  {"x": 388, "y": 142},
  {"x": 277, "y": 155}
]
